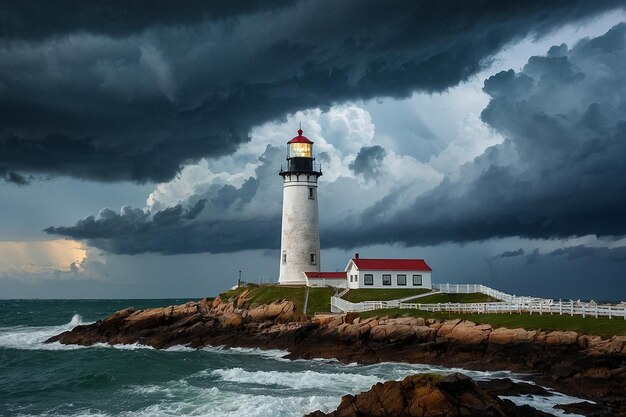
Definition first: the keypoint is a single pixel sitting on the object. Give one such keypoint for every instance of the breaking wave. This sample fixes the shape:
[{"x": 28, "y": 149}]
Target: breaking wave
[
  {"x": 298, "y": 380},
  {"x": 32, "y": 337}
]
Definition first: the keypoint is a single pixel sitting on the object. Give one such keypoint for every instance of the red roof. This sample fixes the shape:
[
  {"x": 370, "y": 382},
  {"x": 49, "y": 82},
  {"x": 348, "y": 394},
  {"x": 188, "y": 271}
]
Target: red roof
[
  {"x": 327, "y": 275},
  {"x": 300, "y": 138},
  {"x": 392, "y": 264}
]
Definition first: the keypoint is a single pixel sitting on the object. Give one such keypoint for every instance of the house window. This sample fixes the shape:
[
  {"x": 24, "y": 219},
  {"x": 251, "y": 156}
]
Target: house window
[
  {"x": 312, "y": 259},
  {"x": 401, "y": 279},
  {"x": 417, "y": 280},
  {"x": 284, "y": 257},
  {"x": 311, "y": 193},
  {"x": 368, "y": 279},
  {"x": 386, "y": 279}
]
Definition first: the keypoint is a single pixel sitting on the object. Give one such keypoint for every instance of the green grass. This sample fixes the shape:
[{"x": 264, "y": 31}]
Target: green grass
[
  {"x": 375, "y": 294},
  {"x": 475, "y": 297},
  {"x": 602, "y": 326},
  {"x": 319, "y": 298}
]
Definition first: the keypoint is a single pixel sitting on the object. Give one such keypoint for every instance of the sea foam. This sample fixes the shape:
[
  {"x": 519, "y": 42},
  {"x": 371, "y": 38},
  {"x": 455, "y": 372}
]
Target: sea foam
[
  {"x": 299, "y": 380},
  {"x": 32, "y": 337}
]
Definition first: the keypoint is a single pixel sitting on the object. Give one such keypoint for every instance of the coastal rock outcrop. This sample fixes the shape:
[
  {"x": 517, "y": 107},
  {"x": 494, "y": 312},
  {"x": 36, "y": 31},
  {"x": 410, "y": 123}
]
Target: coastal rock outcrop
[
  {"x": 428, "y": 396},
  {"x": 582, "y": 365}
]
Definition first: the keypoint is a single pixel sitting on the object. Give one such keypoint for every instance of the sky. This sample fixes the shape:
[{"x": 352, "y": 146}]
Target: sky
[{"x": 140, "y": 145}]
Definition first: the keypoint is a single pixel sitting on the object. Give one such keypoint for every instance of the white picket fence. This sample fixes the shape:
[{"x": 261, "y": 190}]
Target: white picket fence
[{"x": 508, "y": 304}]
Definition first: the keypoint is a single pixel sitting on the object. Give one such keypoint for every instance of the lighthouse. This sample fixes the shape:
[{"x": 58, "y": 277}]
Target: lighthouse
[{"x": 300, "y": 235}]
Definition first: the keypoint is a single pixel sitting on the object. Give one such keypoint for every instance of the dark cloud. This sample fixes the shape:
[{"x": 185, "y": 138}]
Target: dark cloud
[
  {"x": 220, "y": 219},
  {"x": 561, "y": 171},
  {"x": 32, "y": 19},
  {"x": 369, "y": 162},
  {"x": 115, "y": 92},
  {"x": 617, "y": 254},
  {"x": 510, "y": 254},
  {"x": 228, "y": 195},
  {"x": 13, "y": 177}
]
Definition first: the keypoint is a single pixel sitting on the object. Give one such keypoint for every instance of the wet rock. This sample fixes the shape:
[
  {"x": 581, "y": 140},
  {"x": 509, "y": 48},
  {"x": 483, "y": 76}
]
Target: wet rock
[
  {"x": 588, "y": 409},
  {"x": 426, "y": 396},
  {"x": 506, "y": 387}
]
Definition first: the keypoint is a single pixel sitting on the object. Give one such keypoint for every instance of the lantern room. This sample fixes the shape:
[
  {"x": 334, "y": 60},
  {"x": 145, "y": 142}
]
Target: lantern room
[{"x": 300, "y": 147}]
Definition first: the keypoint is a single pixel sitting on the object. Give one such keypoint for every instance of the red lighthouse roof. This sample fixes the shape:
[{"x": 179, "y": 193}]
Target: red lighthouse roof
[{"x": 300, "y": 138}]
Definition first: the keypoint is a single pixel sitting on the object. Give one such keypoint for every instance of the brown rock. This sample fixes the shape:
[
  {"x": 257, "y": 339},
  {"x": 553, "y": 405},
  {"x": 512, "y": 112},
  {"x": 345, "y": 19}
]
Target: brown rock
[
  {"x": 400, "y": 332},
  {"x": 561, "y": 338},
  {"x": 323, "y": 319},
  {"x": 288, "y": 312},
  {"x": 411, "y": 321},
  {"x": 617, "y": 344},
  {"x": 350, "y": 317},
  {"x": 425, "y": 333},
  {"x": 204, "y": 306},
  {"x": 421, "y": 396},
  {"x": 216, "y": 302},
  {"x": 470, "y": 333},
  {"x": 378, "y": 333},
  {"x": 503, "y": 335},
  {"x": 446, "y": 327},
  {"x": 258, "y": 314},
  {"x": 232, "y": 320}
]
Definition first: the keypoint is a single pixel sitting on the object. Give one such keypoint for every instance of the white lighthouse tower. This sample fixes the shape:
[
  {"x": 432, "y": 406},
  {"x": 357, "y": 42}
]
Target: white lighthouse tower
[{"x": 300, "y": 237}]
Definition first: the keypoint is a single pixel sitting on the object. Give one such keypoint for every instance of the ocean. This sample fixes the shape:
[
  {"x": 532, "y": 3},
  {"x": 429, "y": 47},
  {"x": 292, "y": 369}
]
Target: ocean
[{"x": 133, "y": 380}]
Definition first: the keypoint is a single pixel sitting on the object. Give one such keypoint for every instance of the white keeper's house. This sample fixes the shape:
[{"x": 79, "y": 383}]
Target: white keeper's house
[
  {"x": 375, "y": 273},
  {"x": 300, "y": 258}
]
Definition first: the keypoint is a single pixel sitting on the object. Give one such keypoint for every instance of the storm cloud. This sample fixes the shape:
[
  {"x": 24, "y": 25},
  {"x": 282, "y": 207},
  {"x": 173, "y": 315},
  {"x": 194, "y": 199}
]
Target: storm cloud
[
  {"x": 599, "y": 254},
  {"x": 369, "y": 161},
  {"x": 219, "y": 219},
  {"x": 560, "y": 172},
  {"x": 510, "y": 253},
  {"x": 114, "y": 93}
]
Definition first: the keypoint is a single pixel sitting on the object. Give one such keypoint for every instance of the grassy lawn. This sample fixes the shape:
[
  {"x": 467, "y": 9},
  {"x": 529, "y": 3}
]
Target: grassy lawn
[
  {"x": 319, "y": 298},
  {"x": 475, "y": 297},
  {"x": 602, "y": 326},
  {"x": 376, "y": 294}
]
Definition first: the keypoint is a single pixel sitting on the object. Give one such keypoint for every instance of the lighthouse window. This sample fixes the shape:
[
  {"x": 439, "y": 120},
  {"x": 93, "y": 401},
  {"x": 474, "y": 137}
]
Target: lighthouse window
[
  {"x": 401, "y": 279},
  {"x": 284, "y": 257},
  {"x": 386, "y": 279},
  {"x": 311, "y": 193},
  {"x": 312, "y": 258},
  {"x": 368, "y": 279}
]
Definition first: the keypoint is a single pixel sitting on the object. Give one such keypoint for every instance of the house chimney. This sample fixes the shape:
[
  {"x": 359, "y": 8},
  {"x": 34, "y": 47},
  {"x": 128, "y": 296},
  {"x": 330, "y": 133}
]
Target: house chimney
[{"x": 356, "y": 255}]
